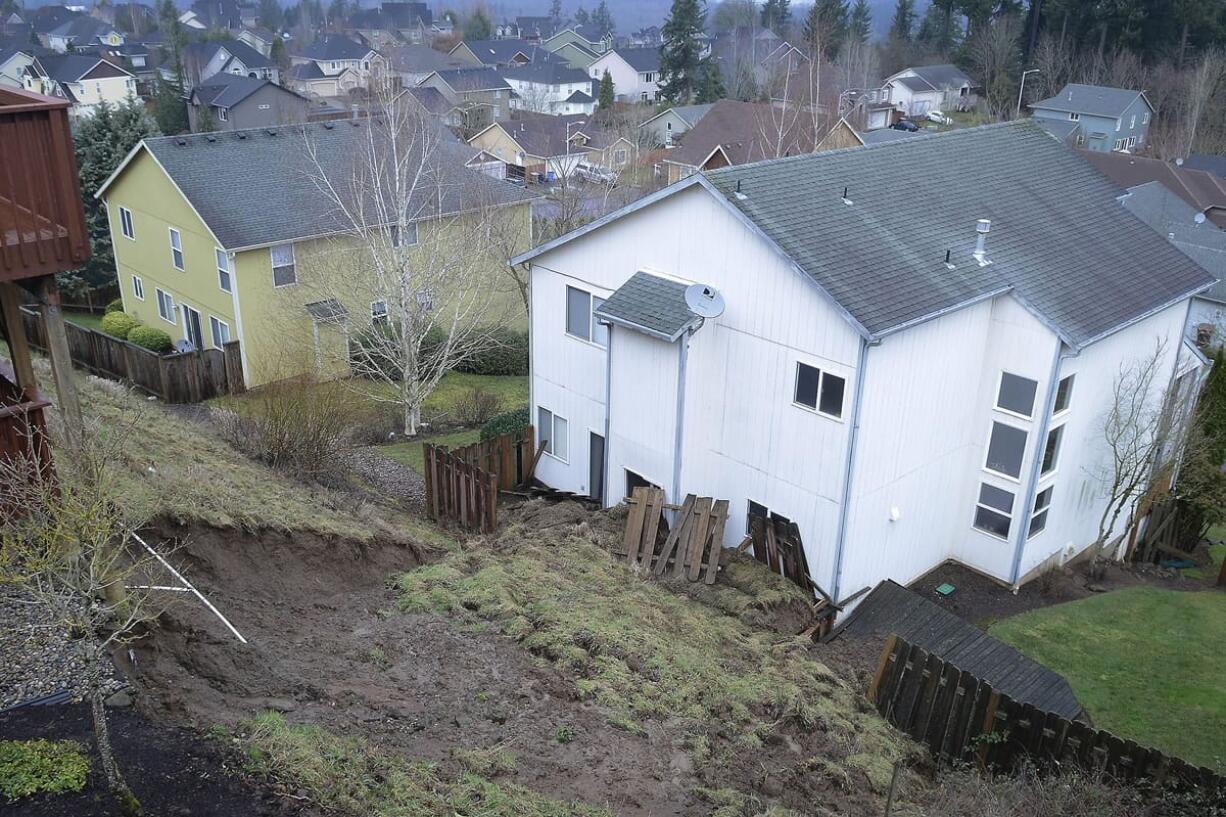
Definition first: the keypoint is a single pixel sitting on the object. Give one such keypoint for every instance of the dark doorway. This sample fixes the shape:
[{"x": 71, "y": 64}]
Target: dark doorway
[{"x": 595, "y": 459}]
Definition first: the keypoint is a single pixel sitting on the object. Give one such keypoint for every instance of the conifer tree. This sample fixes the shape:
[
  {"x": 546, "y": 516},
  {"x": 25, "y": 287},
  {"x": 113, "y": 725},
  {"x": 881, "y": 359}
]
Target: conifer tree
[
  {"x": 607, "y": 92},
  {"x": 712, "y": 89},
  {"x": 904, "y": 20},
  {"x": 680, "y": 54},
  {"x": 861, "y": 26}
]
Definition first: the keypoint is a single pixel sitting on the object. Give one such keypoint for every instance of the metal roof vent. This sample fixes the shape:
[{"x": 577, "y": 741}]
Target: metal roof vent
[
  {"x": 211, "y": 138},
  {"x": 328, "y": 126},
  {"x": 242, "y": 135},
  {"x": 271, "y": 132},
  {"x": 949, "y": 264},
  {"x": 846, "y": 200},
  {"x": 982, "y": 227},
  {"x": 181, "y": 142},
  {"x": 739, "y": 195}
]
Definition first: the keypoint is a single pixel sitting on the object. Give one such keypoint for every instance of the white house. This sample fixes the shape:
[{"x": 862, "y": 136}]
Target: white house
[
  {"x": 635, "y": 72},
  {"x": 550, "y": 87},
  {"x": 916, "y": 91},
  {"x": 335, "y": 55},
  {"x": 205, "y": 59},
  {"x": 13, "y": 64},
  {"x": 84, "y": 80},
  {"x": 904, "y": 387},
  {"x": 83, "y": 32}
]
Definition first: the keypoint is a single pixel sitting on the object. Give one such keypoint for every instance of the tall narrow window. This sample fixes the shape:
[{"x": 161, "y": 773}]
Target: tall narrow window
[
  {"x": 1038, "y": 519},
  {"x": 284, "y": 271},
  {"x": 1051, "y": 450},
  {"x": 125, "y": 223},
  {"x": 1064, "y": 395},
  {"x": 138, "y": 287},
  {"x": 220, "y": 331},
  {"x": 176, "y": 248},
  {"x": 1016, "y": 394},
  {"x": 166, "y": 307},
  {"x": 578, "y": 313},
  {"x": 994, "y": 510},
  {"x": 1005, "y": 450},
  {"x": 224, "y": 278},
  {"x": 378, "y": 312},
  {"x": 553, "y": 430}
]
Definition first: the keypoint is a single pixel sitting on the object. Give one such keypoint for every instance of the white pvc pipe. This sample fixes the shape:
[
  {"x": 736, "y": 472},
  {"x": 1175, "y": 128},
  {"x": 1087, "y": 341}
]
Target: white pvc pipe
[{"x": 189, "y": 587}]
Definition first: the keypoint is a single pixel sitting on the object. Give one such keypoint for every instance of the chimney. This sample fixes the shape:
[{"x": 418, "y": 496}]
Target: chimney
[{"x": 982, "y": 227}]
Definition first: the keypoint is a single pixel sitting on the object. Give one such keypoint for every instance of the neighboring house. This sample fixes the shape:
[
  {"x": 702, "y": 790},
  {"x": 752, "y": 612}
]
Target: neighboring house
[
  {"x": 309, "y": 79},
  {"x": 1199, "y": 239},
  {"x": 226, "y": 236},
  {"x": 15, "y": 28},
  {"x": 206, "y": 59},
  {"x": 1096, "y": 117},
  {"x": 351, "y": 63},
  {"x": 576, "y": 55},
  {"x": 666, "y": 127},
  {"x": 45, "y": 19},
  {"x": 531, "y": 28},
  {"x": 840, "y": 135},
  {"x": 499, "y": 53},
  {"x": 137, "y": 18},
  {"x": 392, "y": 24},
  {"x": 550, "y": 87},
  {"x": 478, "y": 96},
  {"x": 413, "y": 63},
  {"x": 14, "y": 61},
  {"x": 261, "y": 39},
  {"x": 902, "y": 410},
  {"x": 83, "y": 32},
  {"x": 916, "y": 91},
  {"x": 1203, "y": 191},
  {"x": 635, "y": 72},
  {"x": 584, "y": 37},
  {"x": 85, "y": 81},
  {"x": 242, "y": 102},
  {"x": 217, "y": 15},
  {"x": 759, "y": 55},
  {"x": 735, "y": 133},
  {"x": 1207, "y": 162},
  {"x": 536, "y": 148}
]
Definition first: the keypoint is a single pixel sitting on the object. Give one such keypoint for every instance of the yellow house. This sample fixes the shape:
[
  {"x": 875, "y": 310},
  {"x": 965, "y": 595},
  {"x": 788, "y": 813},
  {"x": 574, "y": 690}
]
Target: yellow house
[{"x": 227, "y": 236}]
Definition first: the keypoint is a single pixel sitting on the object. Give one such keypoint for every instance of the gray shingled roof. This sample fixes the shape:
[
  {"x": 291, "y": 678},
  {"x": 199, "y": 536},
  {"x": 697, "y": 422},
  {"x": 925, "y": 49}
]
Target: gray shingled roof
[
  {"x": 227, "y": 90},
  {"x": 259, "y": 186},
  {"x": 466, "y": 80},
  {"x": 876, "y": 137},
  {"x": 650, "y": 304},
  {"x": 1207, "y": 162},
  {"x": 1080, "y": 264},
  {"x": 1174, "y": 218},
  {"x": 1091, "y": 100},
  {"x": 546, "y": 73},
  {"x": 641, "y": 59},
  {"x": 943, "y": 76},
  {"x": 335, "y": 47},
  {"x": 1062, "y": 129}
]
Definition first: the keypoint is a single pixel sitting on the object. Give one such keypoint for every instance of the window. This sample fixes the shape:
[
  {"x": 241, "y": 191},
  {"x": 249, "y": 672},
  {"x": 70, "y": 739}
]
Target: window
[
  {"x": 1016, "y": 394},
  {"x": 1119, "y": 123},
  {"x": 1051, "y": 450},
  {"x": 1038, "y": 519},
  {"x": 634, "y": 480},
  {"x": 1145, "y": 118},
  {"x": 649, "y": 77},
  {"x": 1064, "y": 395},
  {"x": 579, "y": 313},
  {"x": 138, "y": 287},
  {"x": 378, "y": 312},
  {"x": 819, "y": 390},
  {"x": 221, "y": 332},
  {"x": 176, "y": 248},
  {"x": 283, "y": 271},
  {"x": 409, "y": 238},
  {"x": 553, "y": 430},
  {"x": 1073, "y": 117},
  {"x": 1119, "y": 144},
  {"x": 1132, "y": 123},
  {"x": 1005, "y": 450},
  {"x": 222, "y": 114},
  {"x": 425, "y": 299},
  {"x": 125, "y": 223},
  {"x": 619, "y": 157},
  {"x": 994, "y": 511},
  {"x": 166, "y": 307},
  {"x": 600, "y": 332},
  {"x": 224, "y": 279}
]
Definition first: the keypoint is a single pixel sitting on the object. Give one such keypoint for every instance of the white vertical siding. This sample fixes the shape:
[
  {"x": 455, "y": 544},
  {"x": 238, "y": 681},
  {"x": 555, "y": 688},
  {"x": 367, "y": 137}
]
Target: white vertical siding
[{"x": 644, "y": 410}]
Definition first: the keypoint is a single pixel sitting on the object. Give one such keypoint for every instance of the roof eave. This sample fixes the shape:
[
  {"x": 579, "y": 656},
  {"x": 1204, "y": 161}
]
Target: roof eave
[{"x": 655, "y": 333}]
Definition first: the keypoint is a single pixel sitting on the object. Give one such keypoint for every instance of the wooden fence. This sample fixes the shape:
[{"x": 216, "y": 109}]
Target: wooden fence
[
  {"x": 184, "y": 377},
  {"x": 511, "y": 456},
  {"x": 959, "y": 716},
  {"x": 693, "y": 545},
  {"x": 460, "y": 491}
]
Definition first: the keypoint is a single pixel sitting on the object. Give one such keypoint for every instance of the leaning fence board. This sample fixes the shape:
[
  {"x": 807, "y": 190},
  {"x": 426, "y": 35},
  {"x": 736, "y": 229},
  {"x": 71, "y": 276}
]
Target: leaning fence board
[
  {"x": 459, "y": 491},
  {"x": 960, "y": 717}
]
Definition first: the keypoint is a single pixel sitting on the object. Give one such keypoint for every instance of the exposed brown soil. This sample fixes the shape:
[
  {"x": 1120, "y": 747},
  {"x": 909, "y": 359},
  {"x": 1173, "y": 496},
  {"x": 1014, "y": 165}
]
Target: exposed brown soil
[{"x": 321, "y": 652}]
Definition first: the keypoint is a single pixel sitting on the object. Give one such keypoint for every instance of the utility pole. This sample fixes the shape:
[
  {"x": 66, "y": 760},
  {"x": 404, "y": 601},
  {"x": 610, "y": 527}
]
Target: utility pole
[{"x": 1022, "y": 90}]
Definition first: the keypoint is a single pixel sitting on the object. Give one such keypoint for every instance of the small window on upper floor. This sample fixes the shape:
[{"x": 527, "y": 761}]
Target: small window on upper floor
[
  {"x": 125, "y": 223},
  {"x": 176, "y": 248},
  {"x": 1073, "y": 116},
  {"x": 580, "y": 320},
  {"x": 224, "y": 278},
  {"x": 406, "y": 237},
  {"x": 1016, "y": 394},
  {"x": 819, "y": 390},
  {"x": 1064, "y": 395},
  {"x": 284, "y": 270},
  {"x": 1132, "y": 123}
]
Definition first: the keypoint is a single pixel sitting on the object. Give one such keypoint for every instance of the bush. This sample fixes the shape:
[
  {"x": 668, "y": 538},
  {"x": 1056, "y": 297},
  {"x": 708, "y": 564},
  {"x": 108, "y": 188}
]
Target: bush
[
  {"x": 475, "y": 407},
  {"x": 151, "y": 338},
  {"x": 368, "y": 356},
  {"x": 508, "y": 355},
  {"x": 509, "y": 422},
  {"x": 119, "y": 324},
  {"x": 115, "y": 305},
  {"x": 31, "y": 766}
]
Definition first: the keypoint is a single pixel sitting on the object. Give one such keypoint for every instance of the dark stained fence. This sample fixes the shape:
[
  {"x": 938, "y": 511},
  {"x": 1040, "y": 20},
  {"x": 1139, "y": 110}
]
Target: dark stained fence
[
  {"x": 459, "y": 491},
  {"x": 962, "y": 717},
  {"x": 24, "y": 444},
  {"x": 511, "y": 456},
  {"x": 185, "y": 377}
]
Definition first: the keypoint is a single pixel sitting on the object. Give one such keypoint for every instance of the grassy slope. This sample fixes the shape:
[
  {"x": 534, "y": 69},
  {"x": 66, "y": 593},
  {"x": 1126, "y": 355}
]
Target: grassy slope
[
  {"x": 410, "y": 453},
  {"x": 1147, "y": 663},
  {"x": 89, "y": 320}
]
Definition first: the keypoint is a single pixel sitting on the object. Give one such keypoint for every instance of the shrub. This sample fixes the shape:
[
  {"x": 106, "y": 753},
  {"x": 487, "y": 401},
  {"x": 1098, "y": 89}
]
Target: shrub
[
  {"x": 507, "y": 355},
  {"x": 119, "y": 324},
  {"x": 367, "y": 352},
  {"x": 151, "y": 338},
  {"x": 31, "y": 766},
  {"x": 475, "y": 407},
  {"x": 509, "y": 422},
  {"x": 115, "y": 305}
]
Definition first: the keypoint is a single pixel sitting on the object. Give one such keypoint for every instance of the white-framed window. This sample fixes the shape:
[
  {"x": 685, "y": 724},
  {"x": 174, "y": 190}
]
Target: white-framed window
[
  {"x": 1006, "y": 448},
  {"x": 1073, "y": 116},
  {"x": 1015, "y": 394},
  {"x": 125, "y": 223},
  {"x": 819, "y": 390},
  {"x": 1119, "y": 124},
  {"x": 1145, "y": 118},
  {"x": 1132, "y": 123},
  {"x": 1132, "y": 141},
  {"x": 405, "y": 238},
  {"x": 176, "y": 249},
  {"x": 1038, "y": 518},
  {"x": 222, "y": 114},
  {"x": 994, "y": 510},
  {"x": 555, "y": 431},
  {"x": 1064, "y": 395},
  {"x": 600, "y": 331},
  {"x": 284, "y": 271},
  {"x": 378, "y": 312},
  {"x": 220, "y": 331},
  {"x": 166, "y": 307},
  {"x": 1051, "y": 450},
  {"x": 581, "y": 322},
  {"x": 225, "y": 277},
  {"x": 1119, "y": 144},
  {"x": 425, "y": 300},
  {"x": 138, "y": 288},
  {"x": 620, "y": 156}
]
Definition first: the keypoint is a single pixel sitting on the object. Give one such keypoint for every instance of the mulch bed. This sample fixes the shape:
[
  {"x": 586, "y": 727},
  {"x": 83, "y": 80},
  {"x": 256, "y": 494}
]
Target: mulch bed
[{"x": 173, "y": 772}]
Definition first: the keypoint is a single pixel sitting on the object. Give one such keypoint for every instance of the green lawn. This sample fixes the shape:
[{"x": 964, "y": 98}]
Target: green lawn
[
  {"x": 89, "y": 320},
  {"x": 1147, "y": 663},
  {"x": 410, "y": 453}
]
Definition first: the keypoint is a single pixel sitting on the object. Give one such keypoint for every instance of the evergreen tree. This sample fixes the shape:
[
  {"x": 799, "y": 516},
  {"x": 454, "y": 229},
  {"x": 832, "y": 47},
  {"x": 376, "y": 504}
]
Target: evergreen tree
[
  {"x": 555, "y": 11},
  {"x": 270, "y": 15},
  {"x": 206, "y": 122},
  {"x": 338, "y": 10},
  {"x": 826, "y": 27},
  {"x": 1212, "y": 407},
  {"x": 777, "y": 15},
  {"x": 102, "y": 141},
  {"x": 680, "y": 53},
  {"x": 478, "y": 26},
  {"x": 581, "y": 16},
  {"x": 904, "y": 20},
  {"x": 602, "y": 19},
  {"x": 712, "y": 89},
  {"x": 278, "y": 54},
  {"x": 169, "y": 109},
  {"x": 861, "y": 26},
  {"x": 940, "y": 30},
  {"x": 607, "y": 93},
  {"x": 172, "y": 29}
]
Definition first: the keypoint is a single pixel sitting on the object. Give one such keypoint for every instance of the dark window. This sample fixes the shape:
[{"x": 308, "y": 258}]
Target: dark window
[
  {"x": 818, "y": 390},
  {"x": 832, "y": 395},
  {"x": 992, "y": 522},
  {"x": 578, "y": 313},
  {"x": 1038, "y": 521},
  {"x": 754, "y": 510},
  {"x": 994, "y": 497},
  {"x": 634, "y": 480},
  {"x": 807, "y": 379},
  {"x": 1064, "y": 394},
  {"x": 993, "y": 511},
  {"x": 1016, "y": 394},
  {"x": 1051, "y": 451},
  {"x": 1005, "y": 449}
]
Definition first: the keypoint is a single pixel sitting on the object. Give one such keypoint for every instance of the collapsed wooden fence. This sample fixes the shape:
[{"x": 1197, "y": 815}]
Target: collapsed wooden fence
[
  {"x": 184, "y": 377},
  {"x": 462, "y": 484},
  {"x": 961, "y": 717},
  {"x": 692, "y": 545}
]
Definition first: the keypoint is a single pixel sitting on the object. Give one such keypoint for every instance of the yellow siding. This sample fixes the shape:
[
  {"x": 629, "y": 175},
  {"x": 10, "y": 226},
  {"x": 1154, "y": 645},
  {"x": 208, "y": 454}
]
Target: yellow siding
[{"x": 496, "y": 141}]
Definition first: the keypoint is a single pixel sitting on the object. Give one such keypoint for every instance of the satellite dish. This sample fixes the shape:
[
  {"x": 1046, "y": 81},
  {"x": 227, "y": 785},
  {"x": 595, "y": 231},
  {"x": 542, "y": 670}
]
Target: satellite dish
[
  {"x": 1199, "y": 218},
  {"x": 704, "y": 301}
]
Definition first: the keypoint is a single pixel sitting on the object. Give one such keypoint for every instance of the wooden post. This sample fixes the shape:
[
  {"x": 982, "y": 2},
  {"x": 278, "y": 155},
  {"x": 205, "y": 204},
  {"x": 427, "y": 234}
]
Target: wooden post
[
  {"x": 15, "y": 331},
  {"x": 61, "y": 358}
]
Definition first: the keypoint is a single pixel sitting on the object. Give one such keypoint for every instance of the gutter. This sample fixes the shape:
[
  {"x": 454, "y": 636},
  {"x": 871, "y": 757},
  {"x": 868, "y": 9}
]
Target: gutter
[
  {"x": 608, "y": 414},
  {"x": 841, "y": 540}
]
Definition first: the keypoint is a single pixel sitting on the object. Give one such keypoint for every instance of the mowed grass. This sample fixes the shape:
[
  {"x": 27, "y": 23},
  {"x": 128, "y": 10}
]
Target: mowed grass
[
  {"x": 1148, "y": 664},
  {"x": 88, "y": 320},
  {"x": 412, "y": 454}
]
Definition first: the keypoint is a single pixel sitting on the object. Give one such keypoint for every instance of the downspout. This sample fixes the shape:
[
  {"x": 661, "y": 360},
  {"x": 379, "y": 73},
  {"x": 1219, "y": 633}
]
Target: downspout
[
  {"x": 1032, "y": 484},
  {"x": 840, "y": 541},
  {"x": 608, "y": 413},
  {"x": 683, "y": 355}
]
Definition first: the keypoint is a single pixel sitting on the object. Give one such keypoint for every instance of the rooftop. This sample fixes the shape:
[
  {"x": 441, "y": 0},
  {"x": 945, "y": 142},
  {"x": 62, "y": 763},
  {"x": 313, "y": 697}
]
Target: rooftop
[
  {"x": 1091, "y": 100},
  {"x": 1172, "y": 217},
  {"x": 227, "y": 90},
  {"x": 334, "y": 47},
  {"x": 651, "y": 304}
]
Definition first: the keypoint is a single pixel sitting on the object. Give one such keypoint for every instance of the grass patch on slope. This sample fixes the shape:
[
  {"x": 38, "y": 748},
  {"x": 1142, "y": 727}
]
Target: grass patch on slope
[
  {"x": 412, "y": 454},
  {"x": 32, "y": 766},
  {"x": 1147, "y": 664},
  {"x": 349, "y": 776},
  {"x": 644, "y": 652}
]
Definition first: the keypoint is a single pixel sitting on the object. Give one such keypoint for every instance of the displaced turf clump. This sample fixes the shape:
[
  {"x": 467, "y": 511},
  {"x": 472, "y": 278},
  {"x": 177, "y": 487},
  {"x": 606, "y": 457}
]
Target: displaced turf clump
[
  {"x": 31, "y": 766},
  {"x": 645, "y": 652},
  {"x": 349, "y": 776}
]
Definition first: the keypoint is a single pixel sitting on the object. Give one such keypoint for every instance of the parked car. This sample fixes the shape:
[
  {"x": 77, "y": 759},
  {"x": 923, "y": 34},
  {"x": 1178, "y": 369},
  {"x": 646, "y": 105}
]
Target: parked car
[
  {"x": 595, "y": 173},
  {"x": 905, "y": 124},
  {"x": 939, "y": 118}
]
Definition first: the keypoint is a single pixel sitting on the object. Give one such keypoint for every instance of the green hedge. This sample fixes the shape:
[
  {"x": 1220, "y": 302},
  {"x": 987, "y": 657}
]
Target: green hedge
[
  {"x": 115, "y": 305},
  {"x": 119, "y": 324},
  {"x": 506, "y": 423},
  {"x": 151, "y": 338},
  {"x": 507, "y": 355}
]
